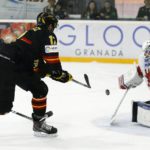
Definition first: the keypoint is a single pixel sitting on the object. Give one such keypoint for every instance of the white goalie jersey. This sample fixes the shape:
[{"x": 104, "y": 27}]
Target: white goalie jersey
[
  {"x": 144, "y": 63},
  {"x": 134, "y": 77}
]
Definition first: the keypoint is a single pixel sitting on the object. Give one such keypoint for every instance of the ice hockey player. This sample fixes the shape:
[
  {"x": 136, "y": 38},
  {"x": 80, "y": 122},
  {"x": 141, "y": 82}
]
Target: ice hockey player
[
  {"x": 24, "y": 62},
  {"x": 133, "y": 78}
]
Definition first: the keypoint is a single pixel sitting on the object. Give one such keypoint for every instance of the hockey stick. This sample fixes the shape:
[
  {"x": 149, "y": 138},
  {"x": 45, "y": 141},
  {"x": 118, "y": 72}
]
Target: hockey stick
[
  {"x": 48, "y": 114},
  {"x": 22, "y": 115},
  {"x": 86, "y": 80},
  {"x": 113, "y": 118}
]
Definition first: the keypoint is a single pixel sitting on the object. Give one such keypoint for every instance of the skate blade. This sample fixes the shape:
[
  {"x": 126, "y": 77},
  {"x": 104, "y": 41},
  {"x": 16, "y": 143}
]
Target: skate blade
[{"x": 41, "y": 134}]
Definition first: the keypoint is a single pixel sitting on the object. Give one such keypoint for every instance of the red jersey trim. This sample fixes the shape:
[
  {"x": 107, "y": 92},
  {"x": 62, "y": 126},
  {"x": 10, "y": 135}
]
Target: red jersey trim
[{"x": 26, "y": 40}]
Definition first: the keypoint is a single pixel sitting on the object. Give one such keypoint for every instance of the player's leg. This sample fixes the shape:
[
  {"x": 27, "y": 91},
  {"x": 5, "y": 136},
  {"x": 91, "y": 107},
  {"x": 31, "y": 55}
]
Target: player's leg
[
  {"x": 32, "y": 82},
  {"x": 7, "y": 86},
  {"x": 39, "y": 103}
]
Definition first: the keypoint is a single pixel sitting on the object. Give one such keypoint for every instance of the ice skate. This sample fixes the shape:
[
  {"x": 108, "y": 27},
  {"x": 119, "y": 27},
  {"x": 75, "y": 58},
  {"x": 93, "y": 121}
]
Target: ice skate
[{"x": 40, "y": 128}]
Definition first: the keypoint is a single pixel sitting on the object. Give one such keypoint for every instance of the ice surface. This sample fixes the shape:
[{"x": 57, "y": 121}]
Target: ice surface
[{"x": 81, "y": 115}]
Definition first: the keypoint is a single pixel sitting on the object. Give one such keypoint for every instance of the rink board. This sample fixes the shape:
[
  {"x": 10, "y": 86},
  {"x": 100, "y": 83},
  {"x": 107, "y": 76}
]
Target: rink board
[
  {"x": 87, "y": 41},
  {"x": 100, "y": 60}
]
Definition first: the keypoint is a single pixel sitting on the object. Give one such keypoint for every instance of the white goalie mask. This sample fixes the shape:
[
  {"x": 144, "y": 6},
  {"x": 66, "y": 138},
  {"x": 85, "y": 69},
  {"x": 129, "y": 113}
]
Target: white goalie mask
[
  {"x": 146, "y": 45},
  {"x": 146, "y": 48}
]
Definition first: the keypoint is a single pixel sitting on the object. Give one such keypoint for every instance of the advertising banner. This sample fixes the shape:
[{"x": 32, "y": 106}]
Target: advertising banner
[{"x": 106, "y": 41}]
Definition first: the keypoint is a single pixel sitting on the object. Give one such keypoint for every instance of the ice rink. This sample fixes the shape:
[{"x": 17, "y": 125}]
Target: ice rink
[{"x": 81, "y": 115}]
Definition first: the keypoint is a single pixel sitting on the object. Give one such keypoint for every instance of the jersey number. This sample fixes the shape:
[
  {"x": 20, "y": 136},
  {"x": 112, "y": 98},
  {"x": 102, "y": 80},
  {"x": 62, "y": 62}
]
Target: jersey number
[{"x": 52, "y": 40}]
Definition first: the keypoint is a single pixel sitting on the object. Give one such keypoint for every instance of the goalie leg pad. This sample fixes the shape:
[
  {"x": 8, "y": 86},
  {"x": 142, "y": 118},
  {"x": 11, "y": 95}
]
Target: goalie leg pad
[{"x": 141, "y": 113}]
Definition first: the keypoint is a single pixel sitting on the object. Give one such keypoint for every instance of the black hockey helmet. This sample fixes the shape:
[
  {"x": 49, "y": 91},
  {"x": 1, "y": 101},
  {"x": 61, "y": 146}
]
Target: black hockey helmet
[{"x": 45, "y": 19}]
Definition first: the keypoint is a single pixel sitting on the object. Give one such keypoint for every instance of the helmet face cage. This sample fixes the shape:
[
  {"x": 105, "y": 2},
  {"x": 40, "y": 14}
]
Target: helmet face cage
[{"x": 45, "y": 19}]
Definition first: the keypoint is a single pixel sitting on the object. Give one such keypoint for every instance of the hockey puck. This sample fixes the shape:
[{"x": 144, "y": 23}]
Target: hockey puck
[{"x": 107, "y": 92}]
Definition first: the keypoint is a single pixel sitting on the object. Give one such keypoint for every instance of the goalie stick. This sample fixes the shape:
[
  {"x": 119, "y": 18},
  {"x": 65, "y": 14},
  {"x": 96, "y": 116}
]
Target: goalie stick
[
  {"x": 83, "y": 84},
  {"x": 48, "y": 114},
  {"x": 113, "y": 118}
]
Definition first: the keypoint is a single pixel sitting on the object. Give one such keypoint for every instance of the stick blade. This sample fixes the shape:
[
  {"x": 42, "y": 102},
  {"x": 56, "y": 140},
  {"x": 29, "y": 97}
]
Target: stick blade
[
  {"x": 112, "y": 121},
  {"x": 87, "y": 80}
]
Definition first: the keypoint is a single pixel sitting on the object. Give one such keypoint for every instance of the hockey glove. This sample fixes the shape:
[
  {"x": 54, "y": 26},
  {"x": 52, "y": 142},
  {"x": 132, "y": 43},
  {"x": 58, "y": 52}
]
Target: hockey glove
[
  {"x": 63, "y": 77},
  {"x": 131, "y": 79}
]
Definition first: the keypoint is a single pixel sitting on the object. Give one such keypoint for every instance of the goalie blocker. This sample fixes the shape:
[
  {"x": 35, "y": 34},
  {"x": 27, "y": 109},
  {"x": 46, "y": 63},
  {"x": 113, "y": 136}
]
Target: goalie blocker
[{"x": 141, "y": 113}]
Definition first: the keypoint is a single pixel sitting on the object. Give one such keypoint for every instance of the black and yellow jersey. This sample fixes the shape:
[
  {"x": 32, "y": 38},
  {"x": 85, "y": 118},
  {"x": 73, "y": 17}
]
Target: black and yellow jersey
[{"x": 38, "y": 47}]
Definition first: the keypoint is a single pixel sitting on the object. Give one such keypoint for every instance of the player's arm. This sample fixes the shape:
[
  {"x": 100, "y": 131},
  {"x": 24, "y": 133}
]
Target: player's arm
[{"x": 53, "y": 63}]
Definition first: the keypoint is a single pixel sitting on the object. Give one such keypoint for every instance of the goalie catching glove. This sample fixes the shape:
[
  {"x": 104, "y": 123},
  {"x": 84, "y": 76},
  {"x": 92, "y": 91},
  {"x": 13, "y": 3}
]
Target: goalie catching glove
[
  {"x": 61, "y": 76},
  {"x": 131, "y": 79}
]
